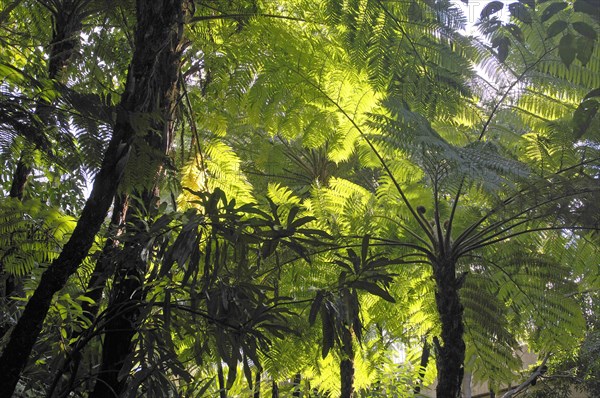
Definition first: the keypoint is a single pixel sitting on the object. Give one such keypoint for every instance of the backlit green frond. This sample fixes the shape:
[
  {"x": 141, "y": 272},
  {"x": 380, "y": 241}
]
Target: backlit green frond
[{"x": 31, "y": 235}]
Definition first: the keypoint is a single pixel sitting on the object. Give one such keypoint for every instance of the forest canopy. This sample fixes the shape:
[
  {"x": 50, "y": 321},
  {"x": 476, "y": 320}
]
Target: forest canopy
[{"x": 333, "y": 198}]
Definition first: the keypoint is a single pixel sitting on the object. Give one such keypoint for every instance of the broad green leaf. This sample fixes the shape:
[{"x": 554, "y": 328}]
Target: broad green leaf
[
  {"x": 502, "y": 44},
  {"x": 552, "y": 10},
  {"x": 515, "y": 31},
  {"x": 520, "y": 13},
  {"x": 491, "y": 8},
  {"x": 328, "y": 331},
  {"x": 414, "y": 11},
  {"x": 587, "y": 7},
  {"x": 585, "y": 48},
  {"x": 585, "y": 29},
  {"x": 528, "y": 3},
  {"x": 594, "y": 93},
  {"x": 315, "y": 307},
  {"x": 364, "y": 252},
  {"x": 566, "y": 49},
  {"x": 556, "y": 27},
  {"x": 583, "y": 116},
  {"x": 374, "y": 289}
]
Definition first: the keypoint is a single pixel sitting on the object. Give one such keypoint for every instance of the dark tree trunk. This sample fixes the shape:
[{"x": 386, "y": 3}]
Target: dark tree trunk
[
  {"x": 296, "y": 385},
  {"x": 165, "y": 23},
  {"x": 221, "y": 380},
  {"x": 257, "y": 384},
  {"x": 148, "y": 86},
  {"x": 105, "y": 265},
  {"x": 102, "y": 271},
  {"x": 64, "y": 40},
  {"x": 450, "y": 353},
  {"x": 15, "y": 354},
  {"x": 274, "y": 390},
  {"x": 121, "y": 325},
  {"x": 19, "y": 179},
  {"x": 423, "y": 364},
  {"x": 347, "y": 365}
]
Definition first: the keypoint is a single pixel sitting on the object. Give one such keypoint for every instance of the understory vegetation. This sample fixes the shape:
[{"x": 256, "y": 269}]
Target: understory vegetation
[{"x": 333, "y": 198}]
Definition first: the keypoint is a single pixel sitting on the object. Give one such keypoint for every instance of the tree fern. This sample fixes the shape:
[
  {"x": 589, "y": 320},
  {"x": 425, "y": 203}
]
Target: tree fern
[{"x": 31, "y": 235}]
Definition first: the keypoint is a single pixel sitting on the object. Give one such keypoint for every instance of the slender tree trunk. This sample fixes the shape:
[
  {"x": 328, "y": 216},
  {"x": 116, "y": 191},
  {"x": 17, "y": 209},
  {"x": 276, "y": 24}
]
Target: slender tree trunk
[
  {"x": 20, "y": 178},
  {"x": 221, "y": 380},
  {"x": 156, "y": 24},
  {"x": 347, "y": 365},
  {"x": 274, "y": 389},
  {"x": 121, "y": 325},
  {"x": 15, "y": 354},
  {"x": 257, "y": 384},
  {"x": 65, "y": 37},
  {"x": 423, "y": 365},
  {"x": 103, "y": 270},
  {"x": 159, "y": 32},
  {"x": 450, "y": 355},
  {"x": 105, "y": 265},
  {"x": 296, "y": 384}
]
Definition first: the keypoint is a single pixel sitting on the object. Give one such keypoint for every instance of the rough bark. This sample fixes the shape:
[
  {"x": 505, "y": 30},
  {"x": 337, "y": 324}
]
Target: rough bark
[
  {"x": 15, "y": 354},
  {"x": 102, "y": 271},
  {"x": 450, "y": 356},
  {"x": 347, "y": 365},
  {"x": 159, "y": 31},
  {"x": 122, "y": 317},
  {"x": 162, "y": 25}
]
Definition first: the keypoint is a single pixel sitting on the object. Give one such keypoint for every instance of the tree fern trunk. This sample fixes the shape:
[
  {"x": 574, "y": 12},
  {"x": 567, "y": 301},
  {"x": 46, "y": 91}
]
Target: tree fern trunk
[
  {"x": 451, "y": 352},
  {"x": 122, "y": 320},
  {"x": 274, "y": 390},
  {"x": 103, "y": 269},
  {"x": 347, "y": 365},
  {"x": 149, "y": 88},
  {"x": 104, "y": 266},
  {"x": 156, "y": 24}
]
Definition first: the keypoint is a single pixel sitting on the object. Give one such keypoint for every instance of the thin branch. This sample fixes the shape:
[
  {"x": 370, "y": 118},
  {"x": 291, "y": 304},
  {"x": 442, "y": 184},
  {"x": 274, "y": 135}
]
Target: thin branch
[
  {"x": 246, "y": 15},
  {"x": 404, "y": 227},
  {"x": 529, "y": 231},
  {"x": 539, "y": 371},
  {"x": 508, "y": 90},
  {"x": 481, "y": 238},
  {"x": 453, "y": 212}
]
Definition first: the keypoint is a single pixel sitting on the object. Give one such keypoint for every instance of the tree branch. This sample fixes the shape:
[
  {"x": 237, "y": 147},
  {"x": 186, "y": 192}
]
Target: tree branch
[{"x": 539, "y": 371}]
